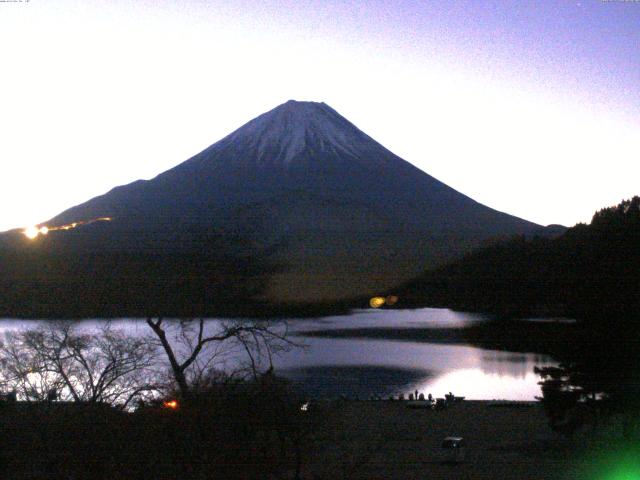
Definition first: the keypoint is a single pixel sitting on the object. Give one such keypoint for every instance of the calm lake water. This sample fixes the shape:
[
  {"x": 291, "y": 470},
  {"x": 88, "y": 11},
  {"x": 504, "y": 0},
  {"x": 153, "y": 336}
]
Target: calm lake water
[{"x": 364, "y": 368}]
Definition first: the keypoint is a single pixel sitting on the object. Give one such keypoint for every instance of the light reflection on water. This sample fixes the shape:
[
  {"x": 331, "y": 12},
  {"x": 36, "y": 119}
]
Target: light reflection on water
[
  {"x": 478, "y": 384},
  {"x": 366, "y": 318},
  {"x": 430, "y": 368}
]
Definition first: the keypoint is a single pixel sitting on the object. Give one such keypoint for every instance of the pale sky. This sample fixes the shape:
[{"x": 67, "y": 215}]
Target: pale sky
[{"x": 530, "y": 107}]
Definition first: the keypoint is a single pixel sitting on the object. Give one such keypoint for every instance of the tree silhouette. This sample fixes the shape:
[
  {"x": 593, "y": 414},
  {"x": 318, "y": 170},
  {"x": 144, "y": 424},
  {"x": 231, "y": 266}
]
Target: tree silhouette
[
  {"x": 106, "y": 366},
  {"x": 195, "y": 349}
]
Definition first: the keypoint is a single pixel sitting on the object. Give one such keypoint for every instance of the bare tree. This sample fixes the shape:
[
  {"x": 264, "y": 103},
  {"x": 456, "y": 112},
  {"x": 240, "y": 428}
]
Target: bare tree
[
  {"x": 106, "y": 366},
  {"x": 22, "y": 370},
  {"x": 195, "y": 349}
]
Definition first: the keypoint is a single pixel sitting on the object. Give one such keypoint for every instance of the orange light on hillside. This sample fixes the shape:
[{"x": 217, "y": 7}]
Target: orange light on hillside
[
  {"x": 377, "y": 302},
  {"x": 32, "y": 232},
  {"x": 171, "y": 404}
]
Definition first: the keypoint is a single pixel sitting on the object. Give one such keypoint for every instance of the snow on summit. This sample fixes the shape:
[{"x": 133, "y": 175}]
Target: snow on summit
[{"x": 292, "y": 127}]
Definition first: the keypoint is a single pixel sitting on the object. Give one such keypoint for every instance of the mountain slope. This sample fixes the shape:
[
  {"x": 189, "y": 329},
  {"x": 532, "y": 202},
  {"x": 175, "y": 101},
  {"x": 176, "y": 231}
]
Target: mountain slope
[{"x": 300, "y": 146}]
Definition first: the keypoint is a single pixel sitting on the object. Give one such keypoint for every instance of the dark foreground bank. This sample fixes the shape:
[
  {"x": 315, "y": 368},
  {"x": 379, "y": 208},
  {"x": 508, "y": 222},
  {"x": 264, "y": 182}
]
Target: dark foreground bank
[
  {"x": 249, "y": 438},
  {"x": 504, "y": 440}
]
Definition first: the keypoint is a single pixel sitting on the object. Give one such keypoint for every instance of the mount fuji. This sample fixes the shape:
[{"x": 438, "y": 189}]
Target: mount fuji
[{"x": 339, "y": 214}]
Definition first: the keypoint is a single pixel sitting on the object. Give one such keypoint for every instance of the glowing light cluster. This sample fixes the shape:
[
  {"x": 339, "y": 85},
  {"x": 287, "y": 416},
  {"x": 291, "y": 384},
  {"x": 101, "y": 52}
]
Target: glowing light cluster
[
  {"x": 377, "y": 302},
  {"x": 33, "y": 231},
  {"x": 170, "y": 404}
]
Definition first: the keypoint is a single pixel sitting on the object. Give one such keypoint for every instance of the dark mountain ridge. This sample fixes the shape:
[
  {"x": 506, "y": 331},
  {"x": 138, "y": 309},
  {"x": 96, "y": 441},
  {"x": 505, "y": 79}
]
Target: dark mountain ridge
[
  {"x": 298, "y": 205},
  {"x": 350, "y": 217}
]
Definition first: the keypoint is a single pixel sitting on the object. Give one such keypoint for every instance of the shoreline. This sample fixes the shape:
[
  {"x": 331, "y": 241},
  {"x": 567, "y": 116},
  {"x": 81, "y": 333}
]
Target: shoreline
[{"x": 516, "y": 336}]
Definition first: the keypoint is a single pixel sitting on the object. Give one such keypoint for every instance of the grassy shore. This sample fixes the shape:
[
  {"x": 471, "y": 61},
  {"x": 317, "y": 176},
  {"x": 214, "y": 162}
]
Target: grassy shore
[{"x": 387, "y": 440}]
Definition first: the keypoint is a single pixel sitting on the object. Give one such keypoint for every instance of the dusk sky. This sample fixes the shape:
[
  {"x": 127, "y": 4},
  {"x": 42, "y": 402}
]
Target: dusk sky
[{"x": 530, "y": 107}]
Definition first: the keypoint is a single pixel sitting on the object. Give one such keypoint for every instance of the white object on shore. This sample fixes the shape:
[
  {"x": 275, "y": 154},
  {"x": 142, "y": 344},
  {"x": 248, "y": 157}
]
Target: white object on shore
[
  {"x": 454, "y": 449},
  {"x": 419, "y": 404}
]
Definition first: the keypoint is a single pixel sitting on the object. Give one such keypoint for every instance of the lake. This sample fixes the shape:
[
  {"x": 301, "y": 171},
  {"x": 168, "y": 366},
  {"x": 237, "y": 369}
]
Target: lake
[{"x": 365, "y": 368}]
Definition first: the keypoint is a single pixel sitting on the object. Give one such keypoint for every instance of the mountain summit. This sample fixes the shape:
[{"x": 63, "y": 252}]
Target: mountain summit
[
  {"x": 339, "y": 213},
  {"x": 290, "y": 132}
]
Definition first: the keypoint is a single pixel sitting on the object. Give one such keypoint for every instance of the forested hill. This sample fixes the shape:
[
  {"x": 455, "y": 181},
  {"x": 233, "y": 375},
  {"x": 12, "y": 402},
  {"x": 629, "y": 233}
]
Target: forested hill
[
  {"x": 103, "y": 270},
  {"x": 590, "y": 271}
]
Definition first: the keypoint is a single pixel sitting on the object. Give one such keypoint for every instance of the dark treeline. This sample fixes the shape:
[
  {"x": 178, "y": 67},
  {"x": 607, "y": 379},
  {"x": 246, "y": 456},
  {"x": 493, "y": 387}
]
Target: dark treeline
[
  {"x": 120, "y": 269},
  {"x": 589, "y": 271},
  {"x": 106, "y": 270}
]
